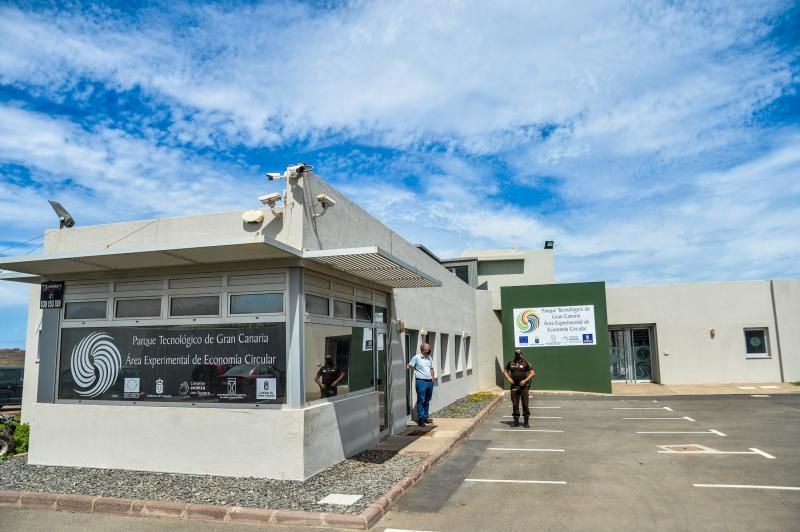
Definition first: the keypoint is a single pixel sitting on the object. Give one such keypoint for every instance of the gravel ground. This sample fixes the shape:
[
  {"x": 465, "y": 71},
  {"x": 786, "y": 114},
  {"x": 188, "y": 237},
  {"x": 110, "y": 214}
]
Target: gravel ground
[
  {"x": 370, "y": 473},
  {"x": 467, "y": 406}
]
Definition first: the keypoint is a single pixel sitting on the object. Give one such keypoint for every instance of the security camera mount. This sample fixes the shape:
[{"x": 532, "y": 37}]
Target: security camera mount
[{"x": 65, "y": 219}]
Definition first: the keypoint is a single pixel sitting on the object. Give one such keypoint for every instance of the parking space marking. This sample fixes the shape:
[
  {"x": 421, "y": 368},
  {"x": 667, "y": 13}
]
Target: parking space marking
[
  {"x": 526, "y": 430},
  {"x": 526, "y": 450},
  {"x": 545, "y": 407},
  {"x": 759, "y": 395},
  {"x": 711, "y": 431},
  {"x": 687, "y": 418},
  {"x": 746, "y": 387},
  {"x": 707, "y": 450},
  {"x": 768, "y": 387},
  {"x": 668, "y": 409},
  {"x": 542, "y": 417},
  {"x": 746, "y": 486},
  {"x": 515, "y": 481}
]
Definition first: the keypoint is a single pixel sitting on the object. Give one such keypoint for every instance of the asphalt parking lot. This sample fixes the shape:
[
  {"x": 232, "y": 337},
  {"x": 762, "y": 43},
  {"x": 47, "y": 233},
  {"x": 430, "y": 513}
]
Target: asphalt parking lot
[{"x": 596, "y": 463}]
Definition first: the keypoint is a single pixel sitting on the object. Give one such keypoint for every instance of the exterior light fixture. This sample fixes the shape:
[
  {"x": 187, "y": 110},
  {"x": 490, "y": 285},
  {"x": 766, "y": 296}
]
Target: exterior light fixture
[
  {"x": 65, "y": 219},
  {"x": 548, "y": 244}
]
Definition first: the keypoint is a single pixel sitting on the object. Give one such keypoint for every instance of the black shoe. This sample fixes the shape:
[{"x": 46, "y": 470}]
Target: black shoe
[
  {"x": 428, "y": 420},
  {"x": 526, "y": 424},
  {"x": 420, "y": 423},
  {"x": 516, "y": 423}
]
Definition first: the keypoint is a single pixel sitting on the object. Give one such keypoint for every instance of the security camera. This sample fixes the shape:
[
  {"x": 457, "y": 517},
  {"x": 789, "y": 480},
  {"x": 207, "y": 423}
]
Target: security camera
[
  {"x": 326, "y": 201},
  {"x": 273, "y": 176},
  {"x": 64, "y": 218},
  {"x": 296, "y": 170},
  {"x": 271, "y": 199}
]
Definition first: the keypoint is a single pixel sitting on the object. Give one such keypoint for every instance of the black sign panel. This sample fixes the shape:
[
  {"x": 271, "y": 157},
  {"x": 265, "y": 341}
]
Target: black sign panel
[
  {"x": 52, "y": 294},
  {"x": 239, "y": 363}
]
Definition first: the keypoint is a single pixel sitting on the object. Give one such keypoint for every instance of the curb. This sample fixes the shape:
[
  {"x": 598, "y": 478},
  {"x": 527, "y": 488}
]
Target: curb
[{"x": 236, "y": 514}]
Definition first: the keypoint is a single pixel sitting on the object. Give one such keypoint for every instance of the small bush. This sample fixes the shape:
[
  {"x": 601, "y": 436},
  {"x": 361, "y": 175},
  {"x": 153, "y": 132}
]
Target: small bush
[{"x": 21, "y": 436}]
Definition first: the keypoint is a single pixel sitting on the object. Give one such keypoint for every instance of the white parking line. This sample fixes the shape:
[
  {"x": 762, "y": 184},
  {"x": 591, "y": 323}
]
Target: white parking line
[
  {"x": 525, "y": 430},
  {"x": 545, "y": 407},
  {"x": 542, "y": 417},
  {"x": 746, "y": 387},
  {"x": 687, "y": 418},
  {"x": 759, "y": 395},
  {"x": 712, "y": 431},
  {"x": 643, "y": 408},
  {"x": 515, "y": 481},
  {"x": 746, "y": 486},
  {"x": 752, "y": 451},
  {"x": 768, "y": 387},
  {"x": 527, "y": 450}
]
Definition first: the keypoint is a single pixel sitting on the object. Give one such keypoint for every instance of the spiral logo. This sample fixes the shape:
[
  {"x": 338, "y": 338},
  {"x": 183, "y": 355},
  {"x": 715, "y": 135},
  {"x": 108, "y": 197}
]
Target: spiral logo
[
  {"x": 527, "y": 321},
  {"x": 95, "y": 364}
]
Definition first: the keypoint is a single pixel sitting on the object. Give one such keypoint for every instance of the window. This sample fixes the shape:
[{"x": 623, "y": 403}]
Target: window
[
  {"x": 85, "y": 310},
  {"x": 756, "y": 342},
  {"x": 380, "y": 314},
  {"x": 194, "y": 306},
  {"x": 462, "y": 272},
  {"x": 138, "y": 308},
  {"x": 443, "y": 351},
  {"x": 317, "y": 305},
  {"x": 467, "y": 359},
  {"x": 363, "y": 312},
  {"x": 459, "y": 363},
  {"x": 353, "y": 355},
  {"x": 501, "y": 267},
  {"x": 342, "y": 309},
  {"x": 256, "y": 303}
]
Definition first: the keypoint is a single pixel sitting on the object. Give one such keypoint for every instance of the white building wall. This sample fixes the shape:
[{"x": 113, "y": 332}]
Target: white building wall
[
  {"x": 489, "y": 340},
  {"x": 684, "y": 315},
  {"x": 787, "y": 308},
  {"x": 31, "y": 381}
]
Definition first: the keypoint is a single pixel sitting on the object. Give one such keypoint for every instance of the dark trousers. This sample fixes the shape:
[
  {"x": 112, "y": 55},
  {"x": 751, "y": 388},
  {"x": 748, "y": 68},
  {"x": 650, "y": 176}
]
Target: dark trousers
[
  {"x": 329, "y": 391},
  {"x": 520, "y": 392}
]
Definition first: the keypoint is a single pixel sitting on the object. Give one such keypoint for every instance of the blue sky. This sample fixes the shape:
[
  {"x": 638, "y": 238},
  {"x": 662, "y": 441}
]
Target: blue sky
[{"x": 655, "y": 142}]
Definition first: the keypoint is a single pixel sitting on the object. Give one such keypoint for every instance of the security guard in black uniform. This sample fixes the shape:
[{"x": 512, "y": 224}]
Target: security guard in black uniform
[
  {"x": 520, "y": 377},
  {"x": 328, "y": 377}
]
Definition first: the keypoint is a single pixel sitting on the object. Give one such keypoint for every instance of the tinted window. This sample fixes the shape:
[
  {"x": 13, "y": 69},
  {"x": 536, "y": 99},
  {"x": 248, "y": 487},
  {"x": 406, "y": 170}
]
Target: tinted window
[
  {"x": 363, "y": 312},
  {"x": 256, "y": 303},
  {"x": 380, "y": 314},
  {"x": 756, "y": 341},
  {"x": 194, "y": 306},
  {"x": 85, "y": 310},
  {"x": 351, "y": 350},
  {"x": 317, "y": 305},
  {"x": 343, "y": 309},
  {"x": 138, "y": 308}
]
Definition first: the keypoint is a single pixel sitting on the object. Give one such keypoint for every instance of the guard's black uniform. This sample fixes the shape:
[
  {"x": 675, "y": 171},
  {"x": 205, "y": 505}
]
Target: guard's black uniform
[
  {"x": 327, "y": 375},
  {"x": 519, "y": 370}
]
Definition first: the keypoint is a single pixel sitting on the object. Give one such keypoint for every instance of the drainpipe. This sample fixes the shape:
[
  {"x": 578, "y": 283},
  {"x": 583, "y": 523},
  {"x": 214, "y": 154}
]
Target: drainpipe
[{"x": 777, "y": 331}]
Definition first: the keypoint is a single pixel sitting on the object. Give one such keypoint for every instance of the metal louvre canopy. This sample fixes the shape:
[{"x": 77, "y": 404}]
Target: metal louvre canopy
[
  {"x": 374, "y": 264},
  {"x": 164, "y": 255}
]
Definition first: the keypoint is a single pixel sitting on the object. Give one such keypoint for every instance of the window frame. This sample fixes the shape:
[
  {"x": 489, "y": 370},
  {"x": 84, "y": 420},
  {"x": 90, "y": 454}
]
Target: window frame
[
  {"x": 219, "y": 313},
  {"x": 767, "y": 352},
  {"x": 89, "y": 300},
  {"x": 230, "y": 295},
  {"x": 115, "y": 300}
]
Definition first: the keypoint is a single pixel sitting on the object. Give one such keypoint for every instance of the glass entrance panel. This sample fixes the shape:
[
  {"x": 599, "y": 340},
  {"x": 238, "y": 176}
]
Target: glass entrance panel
[
  {"x": 380, "y": 350},
  {"x": 631, "y": 359},
  {"x": 641, "y": 355}
]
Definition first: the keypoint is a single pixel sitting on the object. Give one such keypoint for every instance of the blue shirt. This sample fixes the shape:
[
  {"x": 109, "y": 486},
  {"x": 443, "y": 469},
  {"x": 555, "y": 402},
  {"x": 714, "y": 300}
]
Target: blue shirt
[{"x": 422, "y": 366}]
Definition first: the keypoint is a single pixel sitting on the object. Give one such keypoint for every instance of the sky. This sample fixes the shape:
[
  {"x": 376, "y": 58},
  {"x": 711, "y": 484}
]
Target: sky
[{"x": 655, "y": 142}]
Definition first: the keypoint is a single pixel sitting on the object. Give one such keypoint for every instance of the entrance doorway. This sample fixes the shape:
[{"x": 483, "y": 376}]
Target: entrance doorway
[
  {"x": 631, "y": 353},
  {"x": 410, "y": 347}
]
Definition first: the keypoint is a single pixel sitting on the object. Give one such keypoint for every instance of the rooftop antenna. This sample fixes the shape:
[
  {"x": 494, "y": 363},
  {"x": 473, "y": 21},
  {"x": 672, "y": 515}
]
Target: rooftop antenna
[{"x": 65, "y": 218}]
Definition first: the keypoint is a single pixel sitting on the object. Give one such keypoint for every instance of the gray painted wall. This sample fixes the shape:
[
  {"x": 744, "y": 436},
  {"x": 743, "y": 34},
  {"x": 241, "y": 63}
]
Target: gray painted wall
[
  {"x": 787, "y": 307},
  {"x": 684, "y": 315}
]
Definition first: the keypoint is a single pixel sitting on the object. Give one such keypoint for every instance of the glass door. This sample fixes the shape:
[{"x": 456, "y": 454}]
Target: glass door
[
  {"x": 381, "y": 350},
  {"x": 631, "y": 354}
]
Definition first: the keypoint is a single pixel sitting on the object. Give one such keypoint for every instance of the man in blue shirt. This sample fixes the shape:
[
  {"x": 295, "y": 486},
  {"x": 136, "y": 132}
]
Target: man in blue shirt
[{"x": 424, "y": 374}]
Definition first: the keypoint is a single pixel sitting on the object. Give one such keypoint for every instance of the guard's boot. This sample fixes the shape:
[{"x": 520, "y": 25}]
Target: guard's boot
[
  {"x": 516, "y": 422},
  {"x": 527, "y": 425}
]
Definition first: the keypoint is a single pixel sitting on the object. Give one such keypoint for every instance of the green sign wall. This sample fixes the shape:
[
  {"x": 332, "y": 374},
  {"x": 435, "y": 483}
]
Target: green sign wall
[{"x": 563, "y": 367}]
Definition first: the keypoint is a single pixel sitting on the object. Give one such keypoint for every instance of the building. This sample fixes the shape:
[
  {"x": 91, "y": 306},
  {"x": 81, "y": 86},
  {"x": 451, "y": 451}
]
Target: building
[{"x": 192, "y": 344}]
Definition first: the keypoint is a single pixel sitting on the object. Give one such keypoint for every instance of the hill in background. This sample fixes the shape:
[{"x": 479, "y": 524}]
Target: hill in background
[{"x": 12, "y": 357}]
